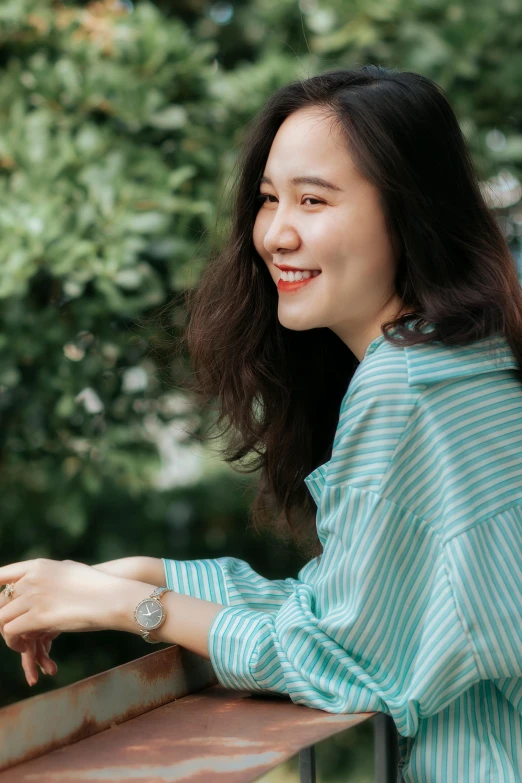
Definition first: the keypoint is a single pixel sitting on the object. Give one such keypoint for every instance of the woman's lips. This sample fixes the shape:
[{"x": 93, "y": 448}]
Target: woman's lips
[{"x": 284, "y": 286}]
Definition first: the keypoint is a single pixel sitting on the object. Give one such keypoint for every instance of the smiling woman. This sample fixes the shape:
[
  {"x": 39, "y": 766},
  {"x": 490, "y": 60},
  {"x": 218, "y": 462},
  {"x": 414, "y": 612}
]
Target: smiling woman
[
  {"x": 361, "y": 333},
  {"x": 379, "y": 421},
  {"x": 329, "y": 222},
  {"x": 402, "y": 239}
]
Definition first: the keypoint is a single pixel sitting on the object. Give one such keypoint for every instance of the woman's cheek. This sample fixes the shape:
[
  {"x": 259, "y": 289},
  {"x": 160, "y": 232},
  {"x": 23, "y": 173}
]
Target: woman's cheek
[{"x": 258, "y": 236}]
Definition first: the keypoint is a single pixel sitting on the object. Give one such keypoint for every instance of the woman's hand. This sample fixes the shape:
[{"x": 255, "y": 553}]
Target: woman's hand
[
  {"x": 38, "y": 644},
  {"x": 37, "y": 655},
  {"x": 51, "y": 596}
]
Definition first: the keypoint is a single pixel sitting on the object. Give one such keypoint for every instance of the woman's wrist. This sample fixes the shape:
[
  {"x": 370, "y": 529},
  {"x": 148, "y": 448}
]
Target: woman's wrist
[
  {"x": 122, "y": 618},
  {"x": 124, "y": 567},
  {"x": 187, "y": 622},
  {"x": 139, "y": 568},
  {"x": 153, "y": 571}
]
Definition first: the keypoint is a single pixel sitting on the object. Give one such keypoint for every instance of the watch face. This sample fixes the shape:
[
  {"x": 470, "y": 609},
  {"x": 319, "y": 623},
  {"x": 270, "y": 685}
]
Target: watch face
[{"x": 149, "y": 614}]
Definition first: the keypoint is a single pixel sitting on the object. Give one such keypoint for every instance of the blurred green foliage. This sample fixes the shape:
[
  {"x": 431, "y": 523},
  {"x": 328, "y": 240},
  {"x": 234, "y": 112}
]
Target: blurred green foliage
[
  {"x": 107, "y": 167},
  {"x": 120, "y": 124},
  {"x": 115, "y": 144}
]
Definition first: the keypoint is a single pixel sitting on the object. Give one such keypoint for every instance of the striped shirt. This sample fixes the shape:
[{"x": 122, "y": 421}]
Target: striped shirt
[{"x": 414, "y": 608}]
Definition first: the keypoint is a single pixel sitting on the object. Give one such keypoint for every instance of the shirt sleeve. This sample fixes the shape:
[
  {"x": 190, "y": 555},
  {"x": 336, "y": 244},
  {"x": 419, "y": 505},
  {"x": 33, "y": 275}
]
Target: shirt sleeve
[
  {"x": 373, "y": 627},
  {"x": 485, "y": 572},
  {"x": 230, "y": 581}
]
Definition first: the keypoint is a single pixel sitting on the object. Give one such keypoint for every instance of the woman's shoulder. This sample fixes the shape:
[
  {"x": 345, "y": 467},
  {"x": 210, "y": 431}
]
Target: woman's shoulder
[
  {"x": 464, "y": 433},
  {"x": 388, "y": 368},
  {"x": 429, "y": 413},
  {"x": 434, "y": 362}
]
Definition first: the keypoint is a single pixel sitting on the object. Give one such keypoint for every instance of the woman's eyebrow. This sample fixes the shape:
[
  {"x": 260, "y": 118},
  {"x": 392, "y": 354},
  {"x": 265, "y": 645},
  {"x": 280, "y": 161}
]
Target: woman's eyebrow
[{"x": 318, "y": 181}]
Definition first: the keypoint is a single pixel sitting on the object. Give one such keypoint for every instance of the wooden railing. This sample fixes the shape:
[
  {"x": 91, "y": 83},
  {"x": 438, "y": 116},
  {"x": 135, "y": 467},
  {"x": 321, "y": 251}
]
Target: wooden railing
[{"x": 163, "y": 717}]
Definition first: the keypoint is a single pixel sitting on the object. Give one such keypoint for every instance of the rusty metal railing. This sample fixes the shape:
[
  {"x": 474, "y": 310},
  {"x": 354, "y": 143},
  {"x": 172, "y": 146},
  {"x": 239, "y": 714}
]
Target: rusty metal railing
[{"x": 162, "y": 718}]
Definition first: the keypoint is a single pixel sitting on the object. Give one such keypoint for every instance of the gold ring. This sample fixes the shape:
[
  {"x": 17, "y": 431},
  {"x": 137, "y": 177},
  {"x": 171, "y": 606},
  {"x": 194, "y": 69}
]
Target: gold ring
[{"x": 9, "y": 590}]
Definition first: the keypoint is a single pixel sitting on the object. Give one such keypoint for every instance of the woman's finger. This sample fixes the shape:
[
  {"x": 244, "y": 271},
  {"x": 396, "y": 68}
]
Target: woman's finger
[
  {"x": 14, "y": 571},
  {"x": 48, "y": 640},
  {"x": 51, "y": 635},
  {"x": 12, "y": 609},
  {"x": 43, "y": 660},
  {"x": 29, "y": 663},
  {"x": 15, "y": 631},
  {"x": 36, "y": 656}
]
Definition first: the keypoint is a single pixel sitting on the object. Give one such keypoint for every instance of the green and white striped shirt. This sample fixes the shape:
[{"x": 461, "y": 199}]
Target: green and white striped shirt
[{"x": 414, "y": 608}]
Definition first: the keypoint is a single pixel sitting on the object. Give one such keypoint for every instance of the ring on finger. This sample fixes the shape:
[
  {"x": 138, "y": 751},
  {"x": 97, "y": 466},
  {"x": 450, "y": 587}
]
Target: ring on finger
[{"x": 9, "y": 590}]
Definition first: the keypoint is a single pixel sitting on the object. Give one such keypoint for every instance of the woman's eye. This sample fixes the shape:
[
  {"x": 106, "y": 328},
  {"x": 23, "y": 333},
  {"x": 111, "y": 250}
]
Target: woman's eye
[{"x": 265, "y": 197}]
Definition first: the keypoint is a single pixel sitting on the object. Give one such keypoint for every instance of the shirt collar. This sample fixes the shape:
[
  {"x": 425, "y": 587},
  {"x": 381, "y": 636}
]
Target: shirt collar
[{"x": 433, "y": 362}]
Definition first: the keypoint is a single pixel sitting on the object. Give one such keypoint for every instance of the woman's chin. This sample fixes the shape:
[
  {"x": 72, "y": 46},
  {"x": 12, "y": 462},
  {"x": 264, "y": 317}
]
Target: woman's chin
[{"x": 297, "y": 323}]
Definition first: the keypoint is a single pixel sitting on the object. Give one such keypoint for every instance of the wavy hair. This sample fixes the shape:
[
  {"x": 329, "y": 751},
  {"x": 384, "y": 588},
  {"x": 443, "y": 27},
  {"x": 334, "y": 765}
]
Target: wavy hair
[{"x": 278, "y": 391}]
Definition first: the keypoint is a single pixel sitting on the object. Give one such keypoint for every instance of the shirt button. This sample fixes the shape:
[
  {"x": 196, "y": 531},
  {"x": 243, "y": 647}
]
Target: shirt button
[
  {"x": 371, "y": 348},
  {"x": 373, "y": 345}
]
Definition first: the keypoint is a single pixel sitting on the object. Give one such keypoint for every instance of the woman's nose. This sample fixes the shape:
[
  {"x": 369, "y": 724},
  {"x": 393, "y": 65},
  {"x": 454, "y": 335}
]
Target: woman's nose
[{"x": 280, "y": 237}]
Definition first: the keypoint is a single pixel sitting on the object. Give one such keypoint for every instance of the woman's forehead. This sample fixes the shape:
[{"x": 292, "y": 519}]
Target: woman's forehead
[{"x": 308, "y": 145}]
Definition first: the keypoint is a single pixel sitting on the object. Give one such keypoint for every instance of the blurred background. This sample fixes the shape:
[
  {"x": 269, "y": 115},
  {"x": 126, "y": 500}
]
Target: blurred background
[{"x": 120, "y": 126}]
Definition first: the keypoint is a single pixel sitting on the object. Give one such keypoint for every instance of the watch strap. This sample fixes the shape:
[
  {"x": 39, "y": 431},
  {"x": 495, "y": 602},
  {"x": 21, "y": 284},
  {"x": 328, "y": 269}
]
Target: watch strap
[
  {"x": 145, "y": 635},
  {"x": 159, "y": 591}
]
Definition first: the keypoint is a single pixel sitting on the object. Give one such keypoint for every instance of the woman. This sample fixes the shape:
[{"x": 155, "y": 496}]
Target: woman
[{"x": 362, "y": 332}]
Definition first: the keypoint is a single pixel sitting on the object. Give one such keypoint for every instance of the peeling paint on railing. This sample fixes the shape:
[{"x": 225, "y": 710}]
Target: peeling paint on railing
[
  {"x": 214, "y": 736},
  {"x": 40, "y": 724}
]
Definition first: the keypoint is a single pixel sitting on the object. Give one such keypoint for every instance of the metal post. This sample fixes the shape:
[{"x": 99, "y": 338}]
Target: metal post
[
  {"x": 386, "y": 748},
  {"x": 307, "y": 765}
]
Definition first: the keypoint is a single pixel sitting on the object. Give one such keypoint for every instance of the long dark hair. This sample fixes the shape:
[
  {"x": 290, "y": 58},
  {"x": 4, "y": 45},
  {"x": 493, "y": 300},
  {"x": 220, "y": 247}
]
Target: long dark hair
[{"x": 278, "y": 392}]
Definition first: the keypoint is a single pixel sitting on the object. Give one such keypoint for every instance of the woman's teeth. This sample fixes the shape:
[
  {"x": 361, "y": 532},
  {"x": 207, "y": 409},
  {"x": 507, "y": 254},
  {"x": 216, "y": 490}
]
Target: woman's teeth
[{"x": 293, "y": 277}]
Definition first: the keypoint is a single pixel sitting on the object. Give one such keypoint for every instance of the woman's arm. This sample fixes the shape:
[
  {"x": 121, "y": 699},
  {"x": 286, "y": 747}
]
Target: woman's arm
[
  {"x": 140, "y": 568},
  {"x": 53, "y": 596},
  {"x": 187, "y": 623}
]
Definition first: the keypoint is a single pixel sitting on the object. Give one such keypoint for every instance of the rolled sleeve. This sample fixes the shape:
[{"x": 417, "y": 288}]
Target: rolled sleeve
[
  {"x": 376, "y": 630},
  {"x": 234, "y": 639},
  {"x": 198, "y": 578},
  {"x": 232, "y": 582}
]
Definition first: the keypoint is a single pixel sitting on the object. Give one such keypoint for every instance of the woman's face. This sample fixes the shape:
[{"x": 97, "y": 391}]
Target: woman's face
[{"x": 319, "y": 215}]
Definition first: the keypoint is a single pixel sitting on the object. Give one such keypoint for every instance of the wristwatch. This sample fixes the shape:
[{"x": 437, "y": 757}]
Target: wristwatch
[{"x": 150, "y": 614}]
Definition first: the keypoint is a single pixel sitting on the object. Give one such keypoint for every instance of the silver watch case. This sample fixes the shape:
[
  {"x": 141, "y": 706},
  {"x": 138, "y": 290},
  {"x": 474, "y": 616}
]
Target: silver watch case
[{"x": 146, "y": 629}]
